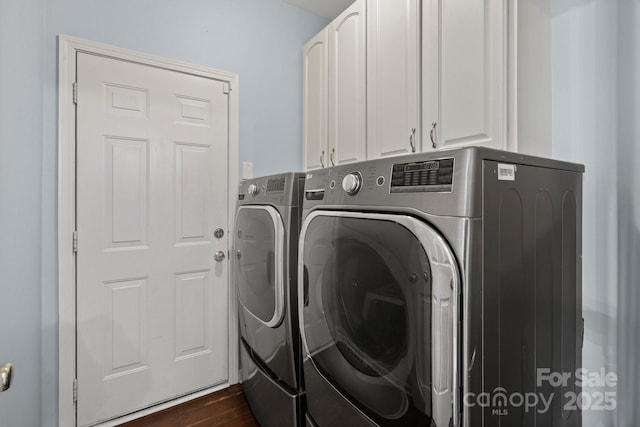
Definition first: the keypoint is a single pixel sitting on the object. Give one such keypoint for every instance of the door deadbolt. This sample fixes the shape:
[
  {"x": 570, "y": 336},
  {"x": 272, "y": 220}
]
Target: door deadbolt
[{"x": 219, "y": 232}]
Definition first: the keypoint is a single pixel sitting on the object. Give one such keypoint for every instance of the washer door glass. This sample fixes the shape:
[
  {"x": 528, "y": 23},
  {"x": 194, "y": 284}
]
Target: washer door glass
[
  {"x": 377, "y": 322},
  {"x": 259, "y": 242}
]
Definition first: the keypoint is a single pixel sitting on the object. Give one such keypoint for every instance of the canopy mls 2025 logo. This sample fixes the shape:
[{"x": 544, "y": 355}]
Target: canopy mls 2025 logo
[{"x": 600, "y": 394}]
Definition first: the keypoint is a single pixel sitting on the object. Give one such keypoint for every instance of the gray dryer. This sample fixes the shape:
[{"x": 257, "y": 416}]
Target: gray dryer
[{"x": 432, "y": 282}]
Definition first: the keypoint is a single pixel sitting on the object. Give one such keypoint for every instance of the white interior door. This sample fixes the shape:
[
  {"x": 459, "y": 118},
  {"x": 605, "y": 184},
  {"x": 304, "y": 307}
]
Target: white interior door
[{"x": 151, "y": 190}]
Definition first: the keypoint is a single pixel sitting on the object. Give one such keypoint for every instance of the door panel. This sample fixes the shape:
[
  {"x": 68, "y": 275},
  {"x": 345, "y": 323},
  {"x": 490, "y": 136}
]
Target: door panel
[
  {"x": 127, "y": 340},
  {"x": 191, "y": 189},
  {"x": 126, "y": 192},
  {"x": 192, "y": 319},
  {"x": 151, "y": 189}
]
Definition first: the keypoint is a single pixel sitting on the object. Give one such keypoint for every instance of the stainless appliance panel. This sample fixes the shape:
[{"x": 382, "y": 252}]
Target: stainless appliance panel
[
  {"x": 532, "y": 298},
  {"x": 271, "y": 404}
]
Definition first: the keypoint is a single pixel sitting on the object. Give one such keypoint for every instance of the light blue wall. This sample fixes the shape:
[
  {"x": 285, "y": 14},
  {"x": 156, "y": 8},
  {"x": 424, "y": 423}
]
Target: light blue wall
[
  {"x": 629, "y": 212},
  {"x": 261, "y": 40},
  {"x": 596, "y": 120},
  {"x": 21, "y": 76}
]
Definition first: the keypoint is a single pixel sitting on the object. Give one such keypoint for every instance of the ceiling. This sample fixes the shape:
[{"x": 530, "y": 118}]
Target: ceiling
[{"x": 326, "y": 8}]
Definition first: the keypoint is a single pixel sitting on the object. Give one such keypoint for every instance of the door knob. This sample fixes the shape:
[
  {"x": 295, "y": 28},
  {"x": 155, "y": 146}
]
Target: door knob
[
  {"x": 219, "y": 256},
  {"x": 5, "y": 376}
]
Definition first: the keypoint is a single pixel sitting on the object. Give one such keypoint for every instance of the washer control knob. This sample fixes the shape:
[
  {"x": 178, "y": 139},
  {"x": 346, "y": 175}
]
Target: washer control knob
[
  {"x": 352, "y": 183},
  {"x": 252, "y": 190}
]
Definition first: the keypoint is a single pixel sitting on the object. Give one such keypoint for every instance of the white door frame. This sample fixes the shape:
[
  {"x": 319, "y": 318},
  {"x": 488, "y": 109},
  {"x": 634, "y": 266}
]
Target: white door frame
[{"x": 68, "y": 48}]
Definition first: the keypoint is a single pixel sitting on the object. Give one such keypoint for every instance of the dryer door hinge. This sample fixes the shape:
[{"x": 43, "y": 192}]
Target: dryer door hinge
[
  {"x": 75, "y": 241},
  {"x": 75, "y": 390},
  {"x": 75, "y": 92}
]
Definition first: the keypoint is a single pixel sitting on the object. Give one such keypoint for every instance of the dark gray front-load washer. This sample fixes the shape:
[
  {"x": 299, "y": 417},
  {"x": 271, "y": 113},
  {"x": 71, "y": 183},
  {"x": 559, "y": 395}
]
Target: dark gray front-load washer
[
  {"x": 265, "y": 259},
  {"x": 434, "y": 287}
]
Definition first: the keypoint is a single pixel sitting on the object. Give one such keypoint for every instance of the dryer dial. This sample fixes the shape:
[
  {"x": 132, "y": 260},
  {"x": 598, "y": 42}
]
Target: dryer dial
[
  {"x": 352, "y": 183},
  {"x": 253, "y": 189}
]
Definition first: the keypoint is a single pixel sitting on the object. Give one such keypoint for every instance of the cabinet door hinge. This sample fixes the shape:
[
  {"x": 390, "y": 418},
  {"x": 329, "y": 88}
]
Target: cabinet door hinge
[
  {"x": 75, "y": 92},
  {"x": 75, "y": 241},
  {"x": 226, "y": 88},
  {"x": 75, "y": 390}
]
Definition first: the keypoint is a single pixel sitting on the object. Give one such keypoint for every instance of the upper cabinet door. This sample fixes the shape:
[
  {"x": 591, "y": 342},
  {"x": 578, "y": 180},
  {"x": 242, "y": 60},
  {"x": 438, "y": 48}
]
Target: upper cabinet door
[
  {"x": 347, "y": 86},
  {"x": 315, "y": 102},
  {"x": 392, "y": 77},
  {"x": 464, "y": 73}
]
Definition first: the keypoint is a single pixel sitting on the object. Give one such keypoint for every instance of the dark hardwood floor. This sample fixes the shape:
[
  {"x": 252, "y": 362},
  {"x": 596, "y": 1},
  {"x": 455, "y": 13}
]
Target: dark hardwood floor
[{"x": 226, "y": 407}]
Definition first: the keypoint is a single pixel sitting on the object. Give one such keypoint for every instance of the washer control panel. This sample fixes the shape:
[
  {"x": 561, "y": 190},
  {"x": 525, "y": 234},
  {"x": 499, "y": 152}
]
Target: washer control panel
[{"x": 427, "y": 176}]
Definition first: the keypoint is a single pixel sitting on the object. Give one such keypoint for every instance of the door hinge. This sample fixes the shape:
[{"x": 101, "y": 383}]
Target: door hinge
[
  {"x": 75, "y": 390},
  {"x": 75, "y": 241},
  {"x": 226, "y": 88},
  {"x": 75, "y": 92}
]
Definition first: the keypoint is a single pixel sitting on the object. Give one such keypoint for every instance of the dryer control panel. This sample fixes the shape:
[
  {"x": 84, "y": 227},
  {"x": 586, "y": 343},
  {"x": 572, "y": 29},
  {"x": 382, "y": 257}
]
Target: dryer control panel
[
  {"x": 276, "y": 185},
  {"x": 427, "y": 176},
  {"x": 279, "y": 190}
]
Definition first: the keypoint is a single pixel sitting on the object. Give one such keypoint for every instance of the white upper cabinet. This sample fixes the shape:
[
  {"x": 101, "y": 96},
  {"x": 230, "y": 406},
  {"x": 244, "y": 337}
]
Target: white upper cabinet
[
  {"x": 315, "y": 101},
  {"x": 392, "y": 77},
  {"x": 464, "y": 73},
  {"x": 393, "y": 96},
  {"x": 335, "y": 91},
  {"x": 347, "y": 86}
]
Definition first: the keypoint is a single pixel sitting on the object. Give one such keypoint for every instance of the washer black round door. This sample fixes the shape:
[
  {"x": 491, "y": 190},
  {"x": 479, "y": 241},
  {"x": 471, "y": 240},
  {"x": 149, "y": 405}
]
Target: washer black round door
[
  {"x": 379, "y": 315},
  {"x": 259, "y": 245}
]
